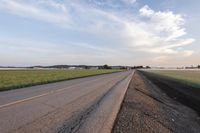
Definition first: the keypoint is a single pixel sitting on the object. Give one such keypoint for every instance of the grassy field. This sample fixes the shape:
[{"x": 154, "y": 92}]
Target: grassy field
[
  {"x": 189, "y": 77},
  {"x": 12, "y": 79}
]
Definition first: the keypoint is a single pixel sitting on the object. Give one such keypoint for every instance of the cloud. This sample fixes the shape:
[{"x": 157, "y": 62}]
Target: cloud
[
  {"x": 157, "y": 32},
  {"x": 48, "y": 53},
  {"x": 161, "y": 59},
  {"x": 113, "y": 3},
  {"x": 38, "y": 10},
  {"x": 168, "y": 23},
  {"x": 161, "y": 33},
  {"x": 129, "y": 1},
  {"x": 166, "y": 60}
]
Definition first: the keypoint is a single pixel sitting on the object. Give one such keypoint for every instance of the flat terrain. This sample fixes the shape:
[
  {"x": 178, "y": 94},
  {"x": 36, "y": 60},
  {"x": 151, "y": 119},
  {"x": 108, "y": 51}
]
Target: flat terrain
[
  {"x": 12, "y": 79},
  {"x": 152, "y": 104},
  {"x": 86, "y": 105},
  {"x": 188, "y": 77},
  {"x": 186, "y": 90}
]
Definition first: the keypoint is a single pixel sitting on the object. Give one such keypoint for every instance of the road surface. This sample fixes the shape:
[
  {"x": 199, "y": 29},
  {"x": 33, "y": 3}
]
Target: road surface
[{"x": 85, "y": 105}]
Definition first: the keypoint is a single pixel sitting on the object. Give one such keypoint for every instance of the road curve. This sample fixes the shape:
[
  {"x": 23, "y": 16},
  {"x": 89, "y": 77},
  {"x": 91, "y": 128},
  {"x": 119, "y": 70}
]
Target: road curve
[{"x": 85, "y": 105}]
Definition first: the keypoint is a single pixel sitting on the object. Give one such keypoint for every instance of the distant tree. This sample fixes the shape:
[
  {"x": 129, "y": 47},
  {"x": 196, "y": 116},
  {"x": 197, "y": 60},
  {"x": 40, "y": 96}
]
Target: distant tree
[
  {"x": 137, "y": 67},
  {"x": 148, "y": 67},
  {"x": 106, "y": 67},
  {"x": 198, "y": 66}
]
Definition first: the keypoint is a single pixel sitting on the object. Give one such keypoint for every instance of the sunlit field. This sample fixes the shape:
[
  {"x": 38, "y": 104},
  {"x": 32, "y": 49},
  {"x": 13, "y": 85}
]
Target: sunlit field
[
  {"x": 189, "y": 77},
  {"x": 12, "y": 79}
]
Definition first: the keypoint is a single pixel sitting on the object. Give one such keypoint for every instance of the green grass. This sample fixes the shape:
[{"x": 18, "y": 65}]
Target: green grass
[
  {"x": 189, "y": 77},
  {"x": 12, "y": 79}
]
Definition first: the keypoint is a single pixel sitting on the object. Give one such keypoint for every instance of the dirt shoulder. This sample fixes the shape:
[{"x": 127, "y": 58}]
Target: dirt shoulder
[{"x": 146, "y": 108}]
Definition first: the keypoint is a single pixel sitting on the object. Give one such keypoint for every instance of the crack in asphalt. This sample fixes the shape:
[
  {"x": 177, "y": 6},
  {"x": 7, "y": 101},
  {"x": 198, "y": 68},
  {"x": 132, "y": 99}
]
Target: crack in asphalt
[
  {"x": 78, "y": 117},
  {"x": 52, "y": 106},
  {"x": 52, "y": 112},
  {"x": 76, "y": 125}
]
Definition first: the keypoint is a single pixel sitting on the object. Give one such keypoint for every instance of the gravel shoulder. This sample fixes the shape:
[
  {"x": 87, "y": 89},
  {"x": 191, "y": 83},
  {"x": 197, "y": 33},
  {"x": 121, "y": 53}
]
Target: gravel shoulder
[{"x": 147, "y": 108}]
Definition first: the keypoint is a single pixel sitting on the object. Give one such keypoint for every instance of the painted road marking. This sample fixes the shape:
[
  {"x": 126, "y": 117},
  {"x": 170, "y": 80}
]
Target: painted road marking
[{"x": 44, "y": 94}]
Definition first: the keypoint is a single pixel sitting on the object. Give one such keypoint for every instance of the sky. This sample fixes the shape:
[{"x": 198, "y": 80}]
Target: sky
[{"x": 96, "y": 32}]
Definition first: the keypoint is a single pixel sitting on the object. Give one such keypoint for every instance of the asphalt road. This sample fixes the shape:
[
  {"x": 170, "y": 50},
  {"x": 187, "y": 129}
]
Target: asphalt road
[{"x": 81, "y": 105}]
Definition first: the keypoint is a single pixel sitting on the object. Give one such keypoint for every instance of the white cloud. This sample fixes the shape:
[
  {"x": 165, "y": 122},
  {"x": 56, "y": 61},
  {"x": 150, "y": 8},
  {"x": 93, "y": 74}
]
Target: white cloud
[
  {"x": 38, "y": 11},
  {"x": 172, "y": 60},
  {"x": 113, "y": 3},
  {"x": 146, "y": 11},
  {"x": 161, "y": 59},
  {"x": 157, "y": 32},
  {"x": 48, "y": 53},
  {"x": 129, "y": 1},
  {"x": 167, "y": 23}
]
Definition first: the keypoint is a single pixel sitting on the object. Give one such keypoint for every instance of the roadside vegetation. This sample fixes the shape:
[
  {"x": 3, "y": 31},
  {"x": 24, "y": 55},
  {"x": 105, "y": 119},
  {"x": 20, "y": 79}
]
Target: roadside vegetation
[
  {"x": 12, "y": 79},
  {"x": 189, "y": 77}
]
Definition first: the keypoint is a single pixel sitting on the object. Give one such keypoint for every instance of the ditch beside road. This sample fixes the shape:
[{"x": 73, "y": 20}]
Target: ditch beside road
[{"x": 147, "y": 108}]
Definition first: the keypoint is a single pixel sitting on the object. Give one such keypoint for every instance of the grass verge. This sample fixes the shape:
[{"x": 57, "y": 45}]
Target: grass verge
[
  {"x": 13, "y": 79},
  {"x": 188, "y": 77}
]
